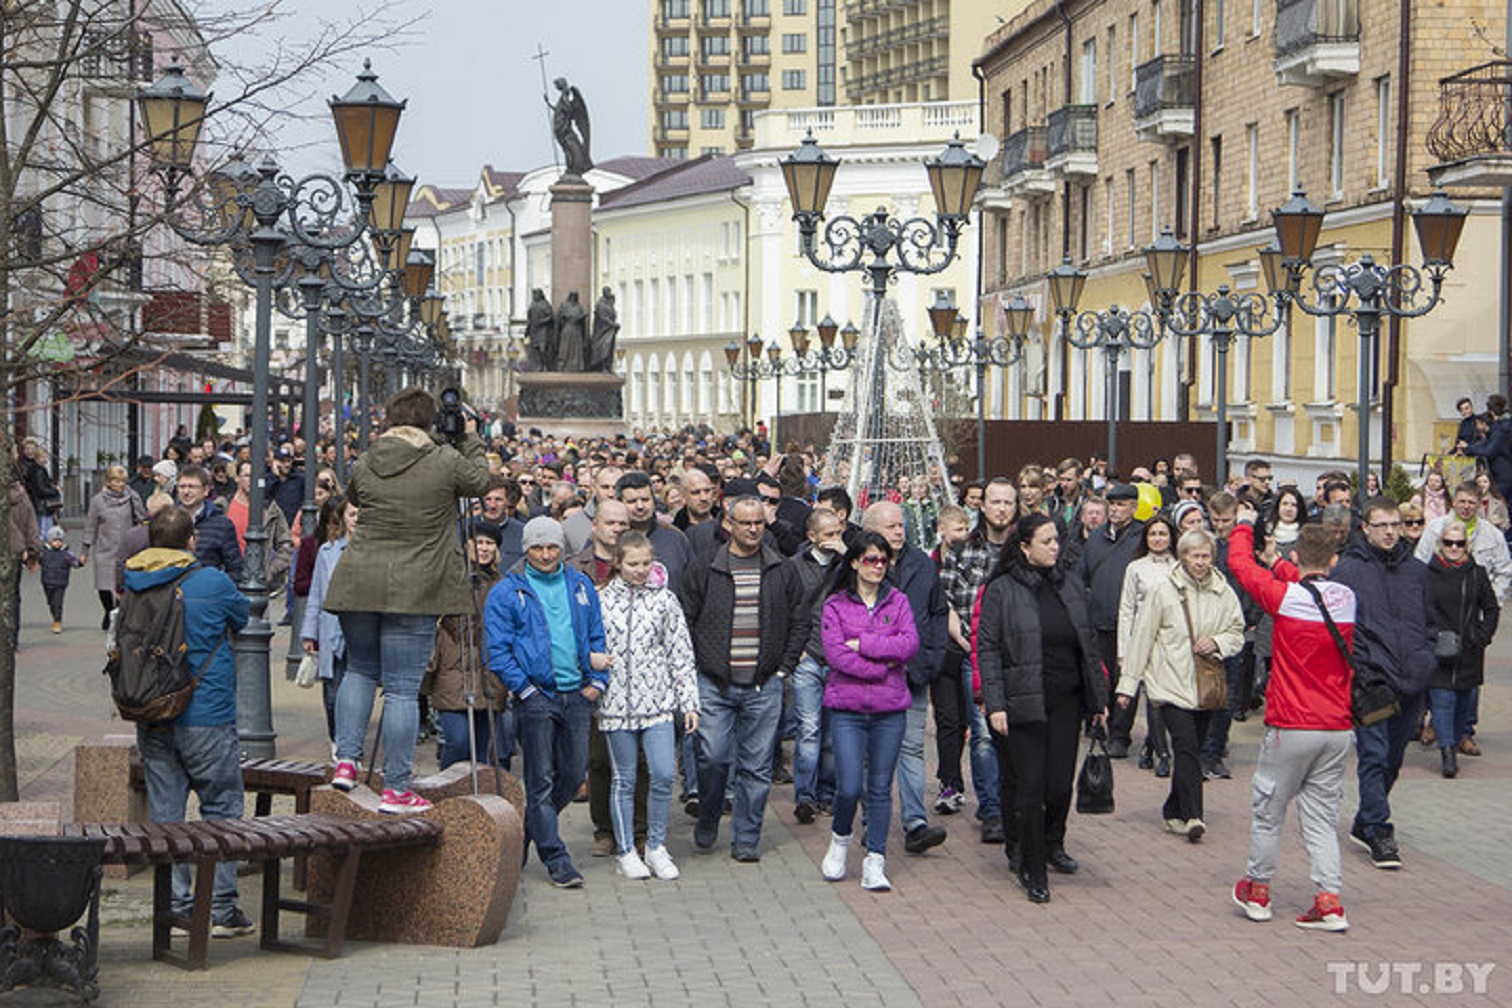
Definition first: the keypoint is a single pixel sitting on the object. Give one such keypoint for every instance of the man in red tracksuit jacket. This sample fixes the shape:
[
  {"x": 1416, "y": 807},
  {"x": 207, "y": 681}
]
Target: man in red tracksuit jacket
[{"x": 1307, "y": 718}]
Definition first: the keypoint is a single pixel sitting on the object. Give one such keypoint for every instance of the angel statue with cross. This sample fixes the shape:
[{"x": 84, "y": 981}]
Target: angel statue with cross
[{"x": 569, "y": 121}]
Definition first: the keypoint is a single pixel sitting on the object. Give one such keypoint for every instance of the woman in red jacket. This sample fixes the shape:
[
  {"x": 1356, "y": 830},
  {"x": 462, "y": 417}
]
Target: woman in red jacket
[{"x": 869, "y": 636}]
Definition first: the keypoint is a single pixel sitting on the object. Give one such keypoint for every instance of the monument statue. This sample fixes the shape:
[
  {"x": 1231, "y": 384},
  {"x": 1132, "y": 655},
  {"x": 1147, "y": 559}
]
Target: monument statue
[
  {"x": 605, "y": 330},
  {"x": 569, "y": 121},
  {"x": 540, "y": 332},
  {"x": 572, "y": 325}
]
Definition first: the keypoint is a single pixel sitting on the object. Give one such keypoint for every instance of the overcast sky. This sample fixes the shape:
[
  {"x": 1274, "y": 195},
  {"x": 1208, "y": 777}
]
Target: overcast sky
[{"x": 473, "y": 88}]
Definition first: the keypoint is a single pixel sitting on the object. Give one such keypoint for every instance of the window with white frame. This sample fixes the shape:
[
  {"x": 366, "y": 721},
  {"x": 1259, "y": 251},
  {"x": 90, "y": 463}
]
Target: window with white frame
[
  {"x": 1252, "y": 171},
  {"x": 1129, "y": 203},
  {"x": 1133, "y": 50},
  {"x": 1108, "y": 215},
  {"x": 1257, "y": 17},
  {"x": 1112, "y": 63},
  {"x": 1383, "y": 131},
  {"x": 1089, "y": 72},
  {"x": 1336, "y": 140},
  {"x": 1293, "y": 144},
  {"x": 806, "y": 307},
  {"x": 1218, "y": 23},
  {"x": 1154, "y": 200}
]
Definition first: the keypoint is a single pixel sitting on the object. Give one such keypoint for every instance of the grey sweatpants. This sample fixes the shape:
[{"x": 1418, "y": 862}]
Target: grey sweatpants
[{"x": 1308, "y": 766}]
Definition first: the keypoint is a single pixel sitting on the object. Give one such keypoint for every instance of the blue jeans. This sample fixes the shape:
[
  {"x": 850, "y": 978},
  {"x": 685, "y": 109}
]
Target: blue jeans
[
  {"x": 455, "y": 746},
  {"x": 984, "y": 765},
  {"x": 388, "y": 650},
  {"x": 911, "y": 761},
  {"x": 1452, "y": 712},
  {"x": 1379, "y": 749},
  {"x": 553, "y": 731},
  {"x": 177, "y": 759},
  {"x": 736, "y": 728},
  {"x": 660, "y": 745},
  {"x": 813, "y": 763},
  {"x": 866, "y": 746}
]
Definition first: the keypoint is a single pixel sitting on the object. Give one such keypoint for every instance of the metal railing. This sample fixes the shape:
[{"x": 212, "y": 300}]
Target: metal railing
[
  {"x": 1303, "y": 23},
  {"x": 1072, "y": 128},
  {"x": 1475, "y": 113},
  {"x": 1165, "y": 82},
  {"x": 1025, "y": 150}
]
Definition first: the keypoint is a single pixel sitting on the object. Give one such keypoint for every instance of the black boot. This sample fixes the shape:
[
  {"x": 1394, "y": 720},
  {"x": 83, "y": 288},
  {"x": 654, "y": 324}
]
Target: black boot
[
  {"x": 1450, "y": 762},
  {"x": 1146, "y": 756}
]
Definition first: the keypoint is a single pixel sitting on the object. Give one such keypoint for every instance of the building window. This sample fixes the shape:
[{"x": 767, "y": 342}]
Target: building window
[
  {"x": 1154, "y": 200},
  {"x": 824, "y": 39},
  {"x": 758, "y": 8},
  {"x": 794, "y": 80},
  {"x": 678, "y": 153},
  {"x": 754, "y": 83},
  {"x": 1218, "y": 23},
  {"x": 674, "y": 9},
  {"x": 674, "y": 83},
  {"x": 712, "y": 119},
  {"x": 747, "y": 122},
  {"x": 706, "y": 151},
  {"x": 1336, "y": 145},
  {"x": 1293, "y": 140},
  {"x": 757, "y": 45},
  {"x": 1108, "y": 215},
  {"x": 1154, "y": 28},
  {"x": 1183, "y": 192},
  {"x": 1129, "y": 201},
  {"x": 796, "y": 42},
  {"x": 1257, "y": 16},
  {"x": 1216, "y": 173},
  {"x": 675, "y": 119},
  {"x": 1383, "y": 131},
  {"x": 716, "y": 9},
  {"x": 1133, "y": 49},
  {"x": 715, "y": 84},
  {"x": 1252, "y": 171},
  {"x": 675, "y": 45},
  {"x": 1089, "y": 72},
  {"x": 1084, "y": 223},
  {"x": 1112, "y": 63},
  {"x": 716, "y": 45},
  {"x": 794, "y": 7},
  {"x": 1002, "y": 250}
]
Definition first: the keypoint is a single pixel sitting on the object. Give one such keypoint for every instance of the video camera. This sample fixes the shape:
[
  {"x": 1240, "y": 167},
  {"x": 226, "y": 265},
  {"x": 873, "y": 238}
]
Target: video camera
[{"x": 451, "y": 415}]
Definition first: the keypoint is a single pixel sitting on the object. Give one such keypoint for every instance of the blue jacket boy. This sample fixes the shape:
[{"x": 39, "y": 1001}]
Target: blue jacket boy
[{"x": 519, "y": 644}]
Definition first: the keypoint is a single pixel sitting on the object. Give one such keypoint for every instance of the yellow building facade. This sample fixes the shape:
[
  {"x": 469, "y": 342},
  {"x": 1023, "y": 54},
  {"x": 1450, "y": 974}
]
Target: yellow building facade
[
  {"x": 901, "y": 51},
  {"x": 1125, "y": 117}
]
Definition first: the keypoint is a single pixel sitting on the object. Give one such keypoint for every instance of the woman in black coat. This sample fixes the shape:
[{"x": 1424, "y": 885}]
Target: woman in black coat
[
  {"x": 1041, "y": 678},
  {"x": 1464, "y": 606}
]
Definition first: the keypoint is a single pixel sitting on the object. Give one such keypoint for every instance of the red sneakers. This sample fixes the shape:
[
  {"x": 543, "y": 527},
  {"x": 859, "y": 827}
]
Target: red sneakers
[
  {"x": 1254, "y": 898},
  {"x": 1326, "y": 914},
  {"x": 344, "y": 777},
  {"x": 403, "y": 802}
]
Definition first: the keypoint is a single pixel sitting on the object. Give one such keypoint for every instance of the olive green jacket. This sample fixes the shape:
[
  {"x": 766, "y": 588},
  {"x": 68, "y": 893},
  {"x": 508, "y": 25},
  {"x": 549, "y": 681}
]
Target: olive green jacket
[{"x": 404, "y": 555}]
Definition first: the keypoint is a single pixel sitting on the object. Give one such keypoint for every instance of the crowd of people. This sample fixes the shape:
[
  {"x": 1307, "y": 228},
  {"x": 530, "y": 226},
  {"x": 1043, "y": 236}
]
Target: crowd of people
[{"x": 633, "y": 614}]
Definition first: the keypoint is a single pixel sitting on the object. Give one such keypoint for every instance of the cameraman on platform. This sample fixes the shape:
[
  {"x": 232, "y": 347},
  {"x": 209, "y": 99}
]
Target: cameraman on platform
[{"x": 403, "y": 567}]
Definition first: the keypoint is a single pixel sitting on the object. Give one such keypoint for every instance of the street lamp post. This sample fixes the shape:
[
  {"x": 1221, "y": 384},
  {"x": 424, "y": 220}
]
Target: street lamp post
[
  {"x": 1113, "y": 330},
  {"x": 1363, "y": 290},
  {"x": 265, "y": 214}
]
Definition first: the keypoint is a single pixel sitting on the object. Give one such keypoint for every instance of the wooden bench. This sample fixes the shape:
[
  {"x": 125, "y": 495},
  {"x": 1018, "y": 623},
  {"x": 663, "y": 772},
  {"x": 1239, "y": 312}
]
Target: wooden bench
[
  {"x": 265, "y": 778},
  {"x": 266, "y": 839}
]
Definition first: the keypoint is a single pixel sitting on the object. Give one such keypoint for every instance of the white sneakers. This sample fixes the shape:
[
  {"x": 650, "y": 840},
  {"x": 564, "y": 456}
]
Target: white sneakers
[
  {"x": 660, "y": 863},
  {"x": 632, "y": 867},
  {"x": 874, "y": 874},
  {"x": 833, "y": 866}
]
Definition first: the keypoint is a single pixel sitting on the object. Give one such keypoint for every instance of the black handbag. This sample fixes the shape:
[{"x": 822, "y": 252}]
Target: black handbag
[
  {"x": 1094, "y": 784},
  {"x": 1372, "y": 698}
]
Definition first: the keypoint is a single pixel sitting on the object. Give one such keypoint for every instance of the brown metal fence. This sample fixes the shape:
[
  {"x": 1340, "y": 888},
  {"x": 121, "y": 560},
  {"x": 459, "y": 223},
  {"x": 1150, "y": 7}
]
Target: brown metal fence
[{"x": 1012, "y": 444}]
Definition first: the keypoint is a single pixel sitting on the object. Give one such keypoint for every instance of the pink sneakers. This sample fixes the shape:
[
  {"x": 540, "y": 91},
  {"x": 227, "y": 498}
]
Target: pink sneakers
[
  {"x": 1325, "y": 915},
  {"x": 1254, "y": 898},
  {"x": 344, "y": 777},
  {"x": 403, "y": 802}
]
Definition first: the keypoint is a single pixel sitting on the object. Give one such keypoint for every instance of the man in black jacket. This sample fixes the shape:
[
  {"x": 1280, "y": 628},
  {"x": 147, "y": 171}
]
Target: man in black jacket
[
  {"x": 749, "y": 623},
  {"x": 215, "y": 543},
  {"x": 1104, "y": 559},
  {"x": 813, "y": 770},
  {"x": 914, "y": 574}
]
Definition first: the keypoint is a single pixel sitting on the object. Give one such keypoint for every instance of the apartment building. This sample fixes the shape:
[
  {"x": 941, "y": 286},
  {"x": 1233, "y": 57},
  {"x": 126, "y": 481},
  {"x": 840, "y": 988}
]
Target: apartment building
[
  {"x": 1121, "y": 118},
  {"x": 900, "y": 50},
  {"x": 716, "y": 63}
]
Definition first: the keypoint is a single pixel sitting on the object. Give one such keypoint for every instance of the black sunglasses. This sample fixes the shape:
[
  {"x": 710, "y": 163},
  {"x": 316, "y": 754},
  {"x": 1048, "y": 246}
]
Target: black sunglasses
[{"x": 770, "y": 500}]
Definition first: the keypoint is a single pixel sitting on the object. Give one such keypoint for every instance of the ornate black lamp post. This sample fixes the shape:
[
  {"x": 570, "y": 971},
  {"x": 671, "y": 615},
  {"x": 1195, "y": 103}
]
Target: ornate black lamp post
[
  {"x": 260, "y": 218},
  {"x": 1112, "y": 330},
  {"x": 1363, "y": 290}
]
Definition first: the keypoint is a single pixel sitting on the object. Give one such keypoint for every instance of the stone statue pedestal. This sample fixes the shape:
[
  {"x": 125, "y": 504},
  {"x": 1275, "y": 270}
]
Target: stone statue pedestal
[
  {"x": 566, "y": 404},
  {"x": 572, "y": 240}
]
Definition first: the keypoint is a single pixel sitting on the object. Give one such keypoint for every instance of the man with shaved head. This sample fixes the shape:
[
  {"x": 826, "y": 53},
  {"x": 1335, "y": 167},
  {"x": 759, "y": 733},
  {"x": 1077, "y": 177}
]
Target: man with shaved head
[{"x": 913, "y": 573}]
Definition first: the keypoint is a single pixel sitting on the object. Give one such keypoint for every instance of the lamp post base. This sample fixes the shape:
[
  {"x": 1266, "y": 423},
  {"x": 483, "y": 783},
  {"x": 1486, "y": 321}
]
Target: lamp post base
[{"x": 254, "y": 700}]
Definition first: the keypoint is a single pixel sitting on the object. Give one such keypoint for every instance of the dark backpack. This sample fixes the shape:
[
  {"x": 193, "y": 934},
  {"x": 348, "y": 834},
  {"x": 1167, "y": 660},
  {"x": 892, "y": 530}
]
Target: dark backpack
[{"x": 150, "y": 677}]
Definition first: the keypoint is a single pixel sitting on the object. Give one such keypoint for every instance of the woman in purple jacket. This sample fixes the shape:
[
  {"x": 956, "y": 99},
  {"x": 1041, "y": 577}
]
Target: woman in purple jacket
[{"x": 869, "y": 636}]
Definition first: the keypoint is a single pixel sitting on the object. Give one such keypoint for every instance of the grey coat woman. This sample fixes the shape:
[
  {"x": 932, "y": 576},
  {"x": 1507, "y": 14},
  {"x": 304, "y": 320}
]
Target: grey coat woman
[{"x": 112, "y": 513}]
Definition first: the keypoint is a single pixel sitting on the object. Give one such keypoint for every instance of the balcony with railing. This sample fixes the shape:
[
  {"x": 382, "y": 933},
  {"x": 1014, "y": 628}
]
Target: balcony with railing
[
  {"x": 1072, "y": 145},
  {"x": 1472, "y": 136},
  {"x": 1316, "y": 40},
  {"x": 1024, "y": 156},
  {"x": 1165, "y": 97}
]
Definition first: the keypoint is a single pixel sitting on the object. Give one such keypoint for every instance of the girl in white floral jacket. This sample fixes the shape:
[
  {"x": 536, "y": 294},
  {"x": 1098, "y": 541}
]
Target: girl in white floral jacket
[{"x": 652, "y": 680}]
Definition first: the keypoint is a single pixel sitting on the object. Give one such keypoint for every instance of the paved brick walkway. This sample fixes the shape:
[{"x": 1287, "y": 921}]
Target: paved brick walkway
[{"x": 1147, "y": 921}]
